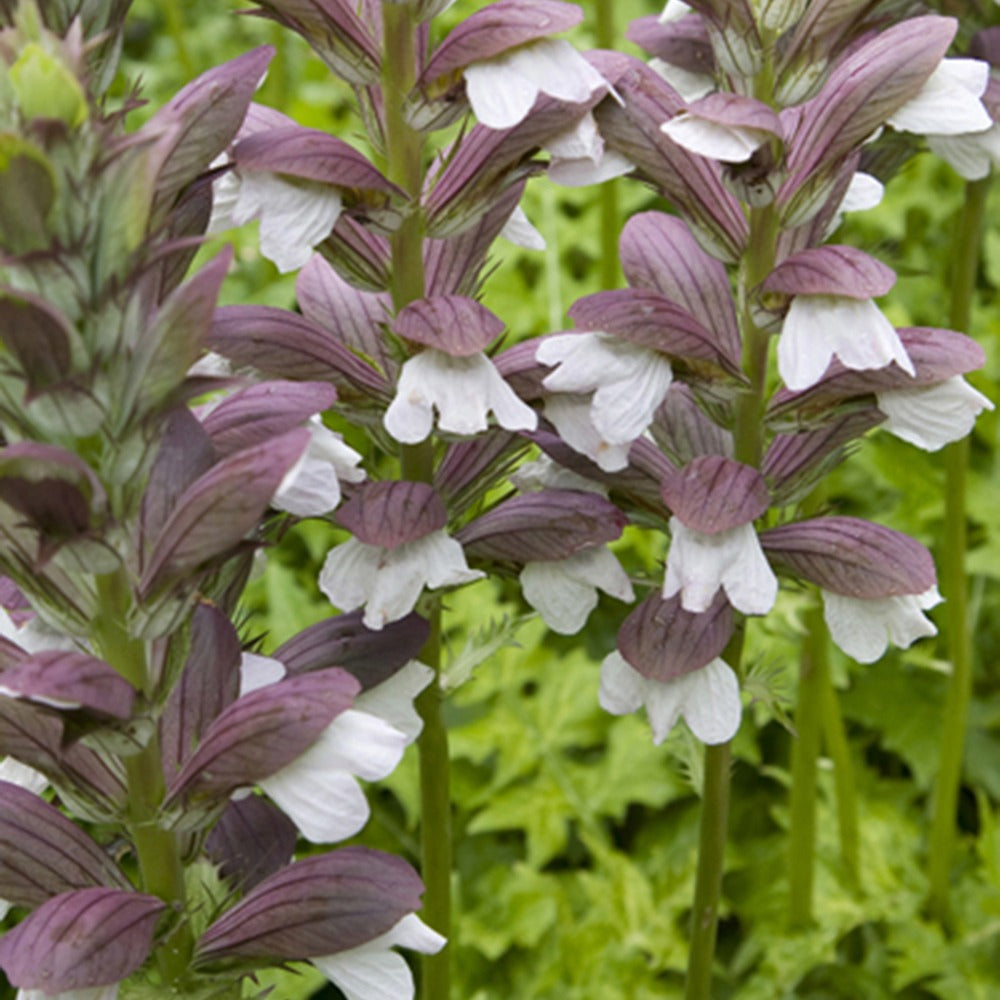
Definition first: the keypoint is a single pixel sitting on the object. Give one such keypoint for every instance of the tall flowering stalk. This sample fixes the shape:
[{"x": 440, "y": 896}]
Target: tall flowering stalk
[{"x": 128, "y": 522}]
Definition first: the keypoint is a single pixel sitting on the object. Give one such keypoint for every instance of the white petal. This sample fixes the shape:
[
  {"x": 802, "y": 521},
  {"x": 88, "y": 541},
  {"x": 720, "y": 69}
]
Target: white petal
[
  {"x": 500, "y": 97},
  {"x": 312, "y": 486},
  {"x": 674, "y": 10},
  {"x": 948, "y": 103},
  {"x": 571, "y": 416},
  {"x": 410, "y": 416},
  {"x": 22, "y": 775},
  {"x": 581, "y": 141},
  {"x": 699, "y": 564},
  {"x": 728, "y": 143},
  {"x": 396, "y": 587},
  {"x": 563, "y": 603},
  {"x": 348, "y": 573},
  {"x": 621, "y": 690},
  {"x": 557, "y": 69},
  {"x": 863, "y": 192},
  {"x": 863, "y": 627},
  {"x": 691, "y": 86},
  {"x": 317, "y": 790},
  {"x": 932, "y": 416},
  {"x": 711, "y": 702},
  {"x": 519, "y": 230},
  {"x": 584, "y": 171},
  {"x": 258, "y": 671},
  {"x": 294, "y": 217},
  {"x": 462, "y": 390},
  {"x": 85, "y": 993},
  {"x": 225, "y": 195},
  {"x": 817, "y": 327},
  {"x": 371, "y": 971},
  {"x": 442, "y": 559},
  {"x": 392, "y": 700},
  {"x": 971, "y": 156},
  {"x": 542, "y": 473}
]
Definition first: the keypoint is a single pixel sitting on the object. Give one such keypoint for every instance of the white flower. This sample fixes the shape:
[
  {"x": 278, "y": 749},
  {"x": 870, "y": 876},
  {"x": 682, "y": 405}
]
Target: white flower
[
  {"x": 863, "y": 192},
  {"x": 388, "y": 582},
  {"x": 564, "y": 591},
  {"x": 312, "y": 486},
  {"x": 863, "y": 627},
  {"x": 463, "y": 391},
  {"x": 579, "y": 157},
  {"x": 258, "y": 671},
  {"x": 544, "y": 474},
  {"x": 503, "y": 89},
  {"x": 371, "y": 971},
  {"x": 295, "y": 215},
  {"x": 728, "y": 143},
  {"x": 707, "y": 698},
  {"x": 934, "y": 415},
  {"x": 971, "y": 155},
  {"x": 22, "y": 775},
  {"x": 318, "y": 791},
  {"x": 571, "y": 415},
  {"x": 690, "y": 85},
  {"x": 818, "y": 328},
  {"x": 393, "y": 699},
  {"x": 948, "y": 103},
  {"x": 519, "y": 230},
  {"x": 628, "y": 383},
  {"x": 699, "y": 564},
  {"x": 85, "y": 993},
  {"x": 674, "y": 10}
]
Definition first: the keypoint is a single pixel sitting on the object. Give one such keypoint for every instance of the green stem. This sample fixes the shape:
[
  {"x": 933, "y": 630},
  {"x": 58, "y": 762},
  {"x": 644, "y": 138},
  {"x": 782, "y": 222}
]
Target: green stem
[
  {"x": 954, "y": 586},
  {"x": 610, "y": 270},
  {"x": 748, "y": 446},
  {"x": 404, "y": 166},
  {"x": 160, "y": 866},
  {"x": 708, "y": 881},
  {"x": 845, "y": 790},
  {"x": 805, "y": 755}
]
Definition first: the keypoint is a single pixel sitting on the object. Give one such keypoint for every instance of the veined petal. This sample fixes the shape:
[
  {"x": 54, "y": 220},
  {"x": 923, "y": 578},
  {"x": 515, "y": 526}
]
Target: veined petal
[
  {"x": 317, "y": 791},
  {"x": 935, "y": 415},
  {"x": 373, "y": 972},
  {"x": 623, "y": 410},
  {"x": 863, "y": 627},
  {"x": 948, "y": 103},
  {"x": 392, "y": 700},
  {"x": 728, "y": 143},
  {"x": 571, "y": 416},
  {"x": 294, "y": 217},
  {"x": 817, "y": 327}
]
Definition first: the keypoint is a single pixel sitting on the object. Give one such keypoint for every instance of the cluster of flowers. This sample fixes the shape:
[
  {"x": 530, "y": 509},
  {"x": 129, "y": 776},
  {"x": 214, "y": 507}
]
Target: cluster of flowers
[{"x": 128, "y": 519}]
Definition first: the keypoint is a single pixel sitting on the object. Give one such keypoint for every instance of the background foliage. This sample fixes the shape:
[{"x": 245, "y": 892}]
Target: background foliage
[{"x": 575, "y": 836}]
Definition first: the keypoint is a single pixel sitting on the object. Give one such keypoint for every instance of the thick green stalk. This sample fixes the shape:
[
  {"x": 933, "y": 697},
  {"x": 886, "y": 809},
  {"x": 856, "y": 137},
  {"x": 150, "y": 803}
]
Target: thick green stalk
[
  {"x": 748, "y": 441},
  {"x": 160, "y": 866},
  {"x": 404, "y": 166},
  {"x": 954, "y": 587},
  {"x": 610, "y": 269},
  {"x": 805, "y": 755},
  {"x": 845, "y": 789}
]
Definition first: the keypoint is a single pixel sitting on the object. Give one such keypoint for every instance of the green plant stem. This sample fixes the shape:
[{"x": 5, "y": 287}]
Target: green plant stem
[
  {"x": 404, "y": 166},
  {"x": 748, "y": 444},
  {"x": 954, "y": 586},
  {"x": 805, "y": 755},
  {"x": 845, "y": 789},
  {"x": 610, "y": 270},
  {"x": 160, "y": 866}
]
